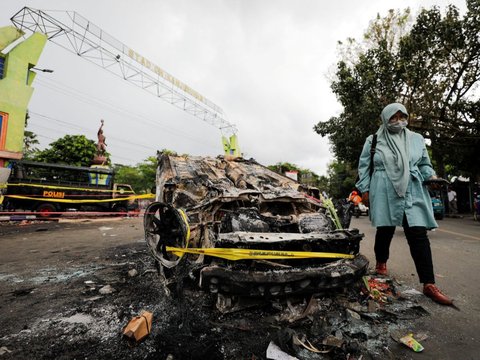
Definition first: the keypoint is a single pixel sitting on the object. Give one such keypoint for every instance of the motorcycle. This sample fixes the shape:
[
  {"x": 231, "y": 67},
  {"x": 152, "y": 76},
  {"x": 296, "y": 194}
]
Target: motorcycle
[
  {"x": 360, "y": 209},
  {"x": 344, "y": 210}
]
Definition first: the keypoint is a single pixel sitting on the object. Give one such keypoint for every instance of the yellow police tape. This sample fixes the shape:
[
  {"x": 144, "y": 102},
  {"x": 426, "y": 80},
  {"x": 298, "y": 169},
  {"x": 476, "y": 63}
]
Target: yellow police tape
[
  {"x": 4, "y": 186},
  {"x": 133, "y": 197},
  {"x": 244, "y": 254},
  {"x": 185, "y": 220}
]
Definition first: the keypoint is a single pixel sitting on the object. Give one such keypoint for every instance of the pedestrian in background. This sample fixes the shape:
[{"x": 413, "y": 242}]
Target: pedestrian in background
[
  {"x": 398, "y": 196},
  {"x": 452, "y": 201}
]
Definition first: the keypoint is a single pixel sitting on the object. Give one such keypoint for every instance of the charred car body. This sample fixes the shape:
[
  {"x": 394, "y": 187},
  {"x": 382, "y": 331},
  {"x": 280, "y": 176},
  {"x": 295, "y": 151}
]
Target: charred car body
[{"x": 231, "y": 205}]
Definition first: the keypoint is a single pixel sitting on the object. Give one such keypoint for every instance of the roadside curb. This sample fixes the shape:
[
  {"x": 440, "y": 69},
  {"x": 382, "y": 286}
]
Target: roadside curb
[
  {"x": 17, "y": 217},
  {"x": 92, "y": 220}
]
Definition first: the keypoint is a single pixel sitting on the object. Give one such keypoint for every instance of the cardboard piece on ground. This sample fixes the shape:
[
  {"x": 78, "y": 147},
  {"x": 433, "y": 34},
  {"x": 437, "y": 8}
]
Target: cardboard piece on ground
[{"x": 139, "y": 327}]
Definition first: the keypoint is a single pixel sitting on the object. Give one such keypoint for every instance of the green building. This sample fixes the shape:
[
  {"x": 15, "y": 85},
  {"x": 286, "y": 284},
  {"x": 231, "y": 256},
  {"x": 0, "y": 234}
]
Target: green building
[{"x": 17, "y": 58}]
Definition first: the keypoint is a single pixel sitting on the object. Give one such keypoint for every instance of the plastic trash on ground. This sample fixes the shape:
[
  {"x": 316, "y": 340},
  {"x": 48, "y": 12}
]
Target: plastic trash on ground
[
  {"x": 411, "y": 343},
  {"x": 379, "y": 289},
  {"x": 275, "y": 353}
]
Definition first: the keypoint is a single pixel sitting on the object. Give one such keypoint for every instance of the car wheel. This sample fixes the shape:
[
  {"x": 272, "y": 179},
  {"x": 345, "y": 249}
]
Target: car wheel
[
  {"x": 46, "y": 210},
  {"x": 121, "y": 209}
]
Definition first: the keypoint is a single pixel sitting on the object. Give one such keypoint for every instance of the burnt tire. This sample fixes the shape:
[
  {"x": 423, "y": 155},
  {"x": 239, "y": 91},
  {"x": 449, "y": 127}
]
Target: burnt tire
[
  {"x": 46, "y": 210},
  {"x": 164, "y": 226}
]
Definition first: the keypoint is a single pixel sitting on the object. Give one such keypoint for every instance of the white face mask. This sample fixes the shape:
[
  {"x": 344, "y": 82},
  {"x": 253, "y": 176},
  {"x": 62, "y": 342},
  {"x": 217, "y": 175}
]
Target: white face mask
[{"x": 398, "y": 126}]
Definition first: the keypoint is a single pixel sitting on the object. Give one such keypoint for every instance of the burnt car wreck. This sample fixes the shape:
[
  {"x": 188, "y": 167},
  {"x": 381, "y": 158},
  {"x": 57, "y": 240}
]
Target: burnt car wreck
[{"x": 211, "y": 211}]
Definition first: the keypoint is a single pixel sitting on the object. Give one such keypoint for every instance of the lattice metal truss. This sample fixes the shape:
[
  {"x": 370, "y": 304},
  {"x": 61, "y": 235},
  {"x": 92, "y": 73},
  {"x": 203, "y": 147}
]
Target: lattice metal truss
[{"x": 78, "y": 35}]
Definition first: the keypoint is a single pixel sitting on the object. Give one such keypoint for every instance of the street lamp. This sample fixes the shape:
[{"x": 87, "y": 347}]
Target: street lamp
[{"x": 42, "y": 70}]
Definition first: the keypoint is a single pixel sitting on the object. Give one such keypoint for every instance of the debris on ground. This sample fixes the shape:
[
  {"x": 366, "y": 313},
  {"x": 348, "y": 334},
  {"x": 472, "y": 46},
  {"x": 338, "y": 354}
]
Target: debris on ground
[
  {"x": 413, "y": 344},
  {"x": 132, "y": 272},
  {"x": 107, "y": 289},
  {"x": 139, "y": 327},
  {"x": 4, "y": 350},
  {"x": 343, "y": 323},
  {"x": 275, "y": 353},
  {"x": 380, "y": 289}
]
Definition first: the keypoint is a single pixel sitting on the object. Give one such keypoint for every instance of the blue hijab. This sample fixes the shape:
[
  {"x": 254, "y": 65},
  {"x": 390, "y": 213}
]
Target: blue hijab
[{"x": 393, "y": 148}]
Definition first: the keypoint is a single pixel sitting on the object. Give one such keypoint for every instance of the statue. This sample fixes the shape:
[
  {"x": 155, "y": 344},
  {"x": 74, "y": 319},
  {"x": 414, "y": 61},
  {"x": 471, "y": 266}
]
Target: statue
[
  {"x": 100, "y": 158},
  {"x": 101, "y": 145}
]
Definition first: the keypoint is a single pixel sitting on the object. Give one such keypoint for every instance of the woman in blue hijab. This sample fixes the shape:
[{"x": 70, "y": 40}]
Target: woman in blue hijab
[{"x": 397, "y": 194}]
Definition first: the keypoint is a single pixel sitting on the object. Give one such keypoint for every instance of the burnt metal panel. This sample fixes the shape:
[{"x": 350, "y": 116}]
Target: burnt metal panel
[{"x": 238, "y": 203}]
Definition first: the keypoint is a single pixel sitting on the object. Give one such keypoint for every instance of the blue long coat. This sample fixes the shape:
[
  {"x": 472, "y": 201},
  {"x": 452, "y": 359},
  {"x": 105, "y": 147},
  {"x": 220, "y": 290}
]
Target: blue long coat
[{"x": 386, "y": 207}]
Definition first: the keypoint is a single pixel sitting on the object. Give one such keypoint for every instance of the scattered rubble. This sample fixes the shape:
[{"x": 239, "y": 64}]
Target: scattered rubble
[
  {"x": 4, "y": 350},
  {"x": 107, "y": 289},
  {"x": 139, "y": 327},
  {"x": 132, "y": 272},
  {"x": 413, "y": 344},
  {"x": 330, "y": 324}
]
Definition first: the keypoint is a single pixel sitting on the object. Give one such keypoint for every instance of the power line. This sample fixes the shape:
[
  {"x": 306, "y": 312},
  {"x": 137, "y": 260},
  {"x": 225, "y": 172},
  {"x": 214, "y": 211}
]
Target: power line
[
  {"x": 86, "y": 98},
  {"x": 102, "y": 103},
  {"x": 116, "y": 156},
  {"x": 64, "y": 133},
  {"x": 88, "y": 130}
]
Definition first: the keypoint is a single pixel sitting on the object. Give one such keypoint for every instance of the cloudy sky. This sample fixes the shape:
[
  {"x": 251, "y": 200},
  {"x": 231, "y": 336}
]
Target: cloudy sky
[{"x": 266, "y": 63}]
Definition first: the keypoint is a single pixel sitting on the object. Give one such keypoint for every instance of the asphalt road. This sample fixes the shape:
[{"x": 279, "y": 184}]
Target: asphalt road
[{"x": 453, "y": 334}]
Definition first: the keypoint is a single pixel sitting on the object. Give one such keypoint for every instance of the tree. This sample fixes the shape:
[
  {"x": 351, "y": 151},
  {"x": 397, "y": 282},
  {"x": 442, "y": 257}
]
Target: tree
[
  {"x": 29, "y": 141},
  {"x": 341, "y": 179},
  {"x": 74, "y": 150},
  {"x": 443, "y": 77},
  {"x": 282, "y": 168},
  {"x": 365, "y": 82},
  {"x": 433, "y": 68},
  {"x": 148, "y": 168},
  {"x": 141, "y": 176},
  {"x": 170, "y": 152},
  {"x": 305, "y": 176},
  {"x": 125, "y": 174}
]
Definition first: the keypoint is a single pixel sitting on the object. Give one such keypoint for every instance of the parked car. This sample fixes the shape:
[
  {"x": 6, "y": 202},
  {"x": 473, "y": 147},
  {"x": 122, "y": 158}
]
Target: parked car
[{"x": 437, "y": 204}]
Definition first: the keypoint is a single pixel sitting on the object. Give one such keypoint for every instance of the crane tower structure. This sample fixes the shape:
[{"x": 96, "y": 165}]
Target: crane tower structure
[{"x": 78, "y": 35}]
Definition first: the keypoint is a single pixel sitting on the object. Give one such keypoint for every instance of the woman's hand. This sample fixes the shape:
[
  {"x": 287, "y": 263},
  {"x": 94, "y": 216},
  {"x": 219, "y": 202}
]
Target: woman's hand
[
  {"x": 365, "y": 199},
  {"x": 436, "y": 183}
]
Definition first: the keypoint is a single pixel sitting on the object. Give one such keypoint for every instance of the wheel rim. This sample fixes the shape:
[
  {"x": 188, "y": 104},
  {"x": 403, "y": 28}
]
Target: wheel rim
[
  {"x": 164, "y": 226},
  {"x": 46, "y": 210}
]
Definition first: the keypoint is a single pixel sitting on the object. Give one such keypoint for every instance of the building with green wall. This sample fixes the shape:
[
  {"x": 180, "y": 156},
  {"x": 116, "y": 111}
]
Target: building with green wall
[{"x": 17, "y": 58}]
